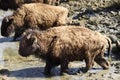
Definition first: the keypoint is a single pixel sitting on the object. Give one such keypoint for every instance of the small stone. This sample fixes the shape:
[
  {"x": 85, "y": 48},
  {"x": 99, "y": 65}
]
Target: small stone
[
  {"x": 114, "y": 13},
  {"x": 90, "y": 74},
  {"x": 4, "y": 72}
]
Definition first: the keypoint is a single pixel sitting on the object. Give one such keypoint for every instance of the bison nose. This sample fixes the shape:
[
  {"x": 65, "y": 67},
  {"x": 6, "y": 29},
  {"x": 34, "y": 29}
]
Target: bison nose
[
  {"x": 22, "y": 53},
  {"x": 5, "y": 34},
  {"x": 2, "y": 33}
]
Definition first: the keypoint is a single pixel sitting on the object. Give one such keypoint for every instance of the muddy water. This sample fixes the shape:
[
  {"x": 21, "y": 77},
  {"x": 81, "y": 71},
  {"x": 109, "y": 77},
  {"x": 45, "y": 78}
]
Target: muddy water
[{"x": 31, "y": 68}]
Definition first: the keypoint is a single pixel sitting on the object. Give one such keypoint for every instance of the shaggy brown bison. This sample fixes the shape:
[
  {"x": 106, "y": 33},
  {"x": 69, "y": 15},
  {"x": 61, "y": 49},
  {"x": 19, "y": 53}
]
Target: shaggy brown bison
[
  {"x": 34, "y": 15},
  {"x": 60, "y": 45},
  {"x": 14, "y": 4}
]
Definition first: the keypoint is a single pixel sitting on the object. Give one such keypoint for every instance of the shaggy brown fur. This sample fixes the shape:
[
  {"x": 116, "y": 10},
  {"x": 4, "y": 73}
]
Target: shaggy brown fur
[
  {"x": 60, "y": 45},
  {"x": 34, "y": 15},
  {"x": 14, "y": 4}
]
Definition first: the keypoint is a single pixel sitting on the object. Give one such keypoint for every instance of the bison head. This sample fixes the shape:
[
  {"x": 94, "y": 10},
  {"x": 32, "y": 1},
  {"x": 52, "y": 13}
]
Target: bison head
[
  {"x": 7, "y": 27},
  {"x": 28, "y": 45}
]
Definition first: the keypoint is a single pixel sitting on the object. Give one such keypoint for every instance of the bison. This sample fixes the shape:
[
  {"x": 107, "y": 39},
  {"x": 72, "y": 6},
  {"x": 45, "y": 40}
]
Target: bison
[
  {"x": 14, "y": 4},
  {"x": 34, "y": 15},
  {"x": 60, "y": 45}
]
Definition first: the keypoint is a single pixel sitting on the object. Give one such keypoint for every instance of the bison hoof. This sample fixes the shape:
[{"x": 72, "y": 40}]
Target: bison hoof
[
  {"x": 105, "y": 68},
  {"x": 47, "y": 73},
  {"x": 63, "y": 73},
  {"x": 4, "y": 72},
  {"x": 84, "y": 70}
]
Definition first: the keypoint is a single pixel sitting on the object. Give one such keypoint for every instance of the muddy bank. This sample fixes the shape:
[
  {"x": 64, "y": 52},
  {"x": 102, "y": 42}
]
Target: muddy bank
[
  {"x": 33, "y": 70},
  {"x": 99, "y": 15}
]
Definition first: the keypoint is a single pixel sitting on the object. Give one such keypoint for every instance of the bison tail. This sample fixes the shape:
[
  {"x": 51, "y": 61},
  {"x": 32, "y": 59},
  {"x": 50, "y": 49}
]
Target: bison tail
[
  {"x": 110, "y": 47},
  {"x": 118, "y": 45}
]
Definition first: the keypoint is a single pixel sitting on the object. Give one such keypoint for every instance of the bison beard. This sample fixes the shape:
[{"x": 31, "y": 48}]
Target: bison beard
[{"x": 60, "y": 45}]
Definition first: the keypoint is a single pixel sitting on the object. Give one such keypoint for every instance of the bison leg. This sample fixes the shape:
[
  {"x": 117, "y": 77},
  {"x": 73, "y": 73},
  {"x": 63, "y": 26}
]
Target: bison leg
[
  {"x": 89, "y": 60},
  {"x": 18, "y": 33},
  {"x": 102, "y": 62},
  {"x": 64, "y": 67},
  {"x": 16, "y": 36},
  {"x": 48, "y": 67}
]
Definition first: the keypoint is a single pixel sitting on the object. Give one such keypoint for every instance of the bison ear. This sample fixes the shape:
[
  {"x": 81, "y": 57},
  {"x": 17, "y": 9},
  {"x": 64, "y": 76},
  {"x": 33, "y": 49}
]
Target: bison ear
[
  {"x": 24, "y": 33},
  {"x": 28, "y": 36},
  {"x": 7, "y": 19}
]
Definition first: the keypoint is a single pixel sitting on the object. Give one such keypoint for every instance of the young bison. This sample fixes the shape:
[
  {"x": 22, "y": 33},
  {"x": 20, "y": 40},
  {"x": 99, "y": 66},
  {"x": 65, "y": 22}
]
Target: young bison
[
  {"x": 60, "y": 45},
  {"x": 14, "y": 4},
  {"x": 34, "y": 15}
]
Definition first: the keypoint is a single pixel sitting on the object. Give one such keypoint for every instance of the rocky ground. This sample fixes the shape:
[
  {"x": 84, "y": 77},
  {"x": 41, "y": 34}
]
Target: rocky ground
[{"x": 98, "y": 15}]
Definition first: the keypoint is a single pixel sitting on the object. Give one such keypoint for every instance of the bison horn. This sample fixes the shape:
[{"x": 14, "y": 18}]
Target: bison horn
[
  {"x": 35, "y": 39},
  {"x": 6, "y": 19},
  {"x": 28, "y": 37},
  {"x": 24, "y": 33}
]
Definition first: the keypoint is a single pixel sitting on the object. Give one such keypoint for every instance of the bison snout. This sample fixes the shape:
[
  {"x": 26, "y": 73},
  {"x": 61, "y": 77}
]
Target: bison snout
[
  {"x": 23, "y": 54},
  {"x": 4, "y": 34}
]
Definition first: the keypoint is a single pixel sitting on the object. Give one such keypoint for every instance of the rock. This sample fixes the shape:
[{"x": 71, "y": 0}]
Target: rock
[
  {"x": 113, "y": 13},
  {"x": 4, "y": 72},
  {"x": 113, "y": 38}
]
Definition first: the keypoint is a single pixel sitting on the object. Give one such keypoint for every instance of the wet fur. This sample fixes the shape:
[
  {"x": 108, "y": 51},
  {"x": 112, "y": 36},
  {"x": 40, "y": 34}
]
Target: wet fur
[
  {"x": 34, "y": 15},
  {"x": 60, "y": 45},
  {"x": 14, "y": 4}
]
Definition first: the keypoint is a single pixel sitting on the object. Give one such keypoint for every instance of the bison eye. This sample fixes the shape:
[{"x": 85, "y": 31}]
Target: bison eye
[{"x": 10, "y": 21}]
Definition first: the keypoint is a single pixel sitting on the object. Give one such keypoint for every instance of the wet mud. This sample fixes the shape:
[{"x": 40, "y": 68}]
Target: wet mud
[{"x": 15, "y": 67}]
